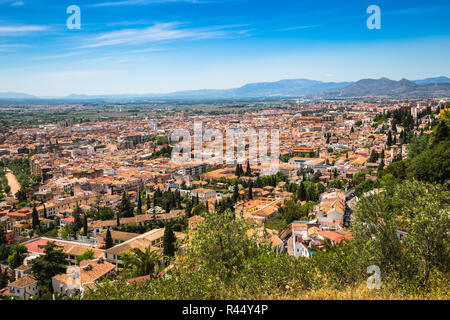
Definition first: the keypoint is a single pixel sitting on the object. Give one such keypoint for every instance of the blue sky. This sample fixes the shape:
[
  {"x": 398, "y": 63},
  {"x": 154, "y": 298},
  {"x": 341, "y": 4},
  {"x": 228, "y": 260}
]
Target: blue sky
[{"x": 156, "y": 46}]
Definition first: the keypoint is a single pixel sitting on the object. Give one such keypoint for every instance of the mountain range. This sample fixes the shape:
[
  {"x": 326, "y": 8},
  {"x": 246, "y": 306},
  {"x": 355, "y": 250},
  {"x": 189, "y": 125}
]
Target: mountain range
[{"x": 301, "y": 88}]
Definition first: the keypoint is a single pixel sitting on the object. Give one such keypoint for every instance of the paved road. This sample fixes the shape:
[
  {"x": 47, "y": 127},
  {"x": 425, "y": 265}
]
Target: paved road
[{"x": 13, "y": 183}]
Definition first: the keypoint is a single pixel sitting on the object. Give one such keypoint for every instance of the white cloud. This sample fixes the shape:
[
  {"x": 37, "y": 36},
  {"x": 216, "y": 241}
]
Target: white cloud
[
  {"x": 162, "y": 32},
  {"x": 135, "y": 2},
  {"x": 5, "y": 30}
]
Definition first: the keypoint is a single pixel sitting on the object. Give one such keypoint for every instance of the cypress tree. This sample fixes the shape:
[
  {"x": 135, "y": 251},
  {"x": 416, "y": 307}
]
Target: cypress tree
[
  {"x": 188, "y": 209},
  {"x": 35, "y": 218},
  {"x": 301, "y": 192},
  {"x": 380, "y": 167},
  {"x": 236, "y": 172},
  {"x": 235, "y": 192},
  {"x": 85, "y": 225},
  {"x": 108, "y": 240},
  {"x": 250, "y": 191},
  {"x": 77, "y": 217},
  {"x": 389, "y": 139},
  {"x": 258, "y": 182},
  {"x": 45, "y": 212},
  {"x": 248, "y": 171},
  {"x": 139, "y": 204},
  {"x": 169, "y": 241}
]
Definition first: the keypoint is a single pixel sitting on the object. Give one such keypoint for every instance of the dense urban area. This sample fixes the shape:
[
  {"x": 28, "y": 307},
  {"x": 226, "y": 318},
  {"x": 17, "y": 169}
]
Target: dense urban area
[{"x": 93, "y": 207}]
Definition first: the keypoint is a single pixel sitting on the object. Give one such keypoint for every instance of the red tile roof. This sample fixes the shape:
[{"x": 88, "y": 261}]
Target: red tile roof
[{"x": 335, "y": 236}]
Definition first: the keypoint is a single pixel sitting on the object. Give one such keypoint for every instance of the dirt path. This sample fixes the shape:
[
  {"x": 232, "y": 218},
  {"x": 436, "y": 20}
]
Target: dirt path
[{"x": 13, "y": 183}]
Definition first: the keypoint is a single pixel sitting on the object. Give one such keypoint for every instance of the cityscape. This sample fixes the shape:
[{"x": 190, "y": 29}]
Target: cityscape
[{"x": 246, "y": 187}]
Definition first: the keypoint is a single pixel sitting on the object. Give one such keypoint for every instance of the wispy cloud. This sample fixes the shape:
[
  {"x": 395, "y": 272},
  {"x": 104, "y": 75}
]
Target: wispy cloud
[
  {"x": 127, "y": 23},
  {"x": 163, "y": 32},
  {"x": 147, "y": 2},
  {"x": 418, "y": 10},
  {"x": 136, "y": 2},
  {"x": 18, "y": 29},
  {"x": 299, "y": 27},
  {"x": 17, "y": 4},
  {"x": 57, "y": 56},
  {"x": 75, "y": 74},
  {"x": 13, "y": 3}
]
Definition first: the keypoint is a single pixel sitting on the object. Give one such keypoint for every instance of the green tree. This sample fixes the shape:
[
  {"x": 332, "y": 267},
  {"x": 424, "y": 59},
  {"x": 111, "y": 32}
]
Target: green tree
[
  {"x": 248, "y": 171},
  {"x": 19, "y": 252},
  {"x": 417, "y": 145},
  {"x": 78, "y": 223},
  {"x": 2, "y": 233},
  {"x": 301, "y": 192},
  {"x": 222, "y": 244},
  {"x": 380, "y": 168},
  {"x": 419, "y": 208},
  {"x": 140, "y": 262},
  {"x": 139, "y": 204},
  {"x": 85, "y": 225},
  {"x": 51, "y": 263},
  {"x": 35, "y": 218},
  {"x": 373, "y": 157},
  {"x": 169, "y": 242},
  {"x": 199, "y": 209},
  {"x": 235, "y": 192},
  {"x": 433, "y": 165},
  {"x": 188, "y": 209},
  {"x": 389, "y": 138},
  {"x": 3, "y": 278},
  {"x": 442, "y": 130},
  {"x": 108, "y": 240},
  {"x": 125, "y": 208},
  {"x": 88, "y": 254}
]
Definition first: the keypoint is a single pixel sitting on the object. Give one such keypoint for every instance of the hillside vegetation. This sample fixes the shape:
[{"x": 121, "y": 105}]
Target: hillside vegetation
[{"x": 224, "y": 262}]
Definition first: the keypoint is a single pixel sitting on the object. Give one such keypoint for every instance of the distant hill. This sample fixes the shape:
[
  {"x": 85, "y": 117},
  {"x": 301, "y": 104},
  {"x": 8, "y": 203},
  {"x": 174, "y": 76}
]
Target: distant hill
[
  {"x": 294, "y": 87},
  {"x": 432, "y": 80},
  {"x": 15, "y": 95},
  {"x": 430, "y": 87},
  {"x": 282, "y": 88},
  {"x": 392, "y": 88}
]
